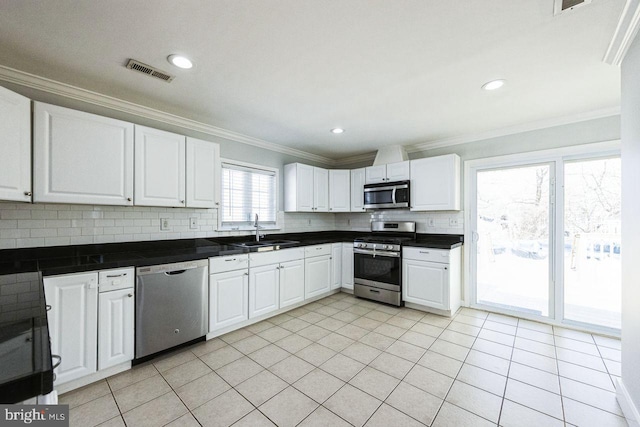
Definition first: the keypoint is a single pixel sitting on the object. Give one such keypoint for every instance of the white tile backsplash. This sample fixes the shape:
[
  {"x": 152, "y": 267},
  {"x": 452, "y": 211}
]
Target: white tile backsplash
[{"x": 29, "y": 225}]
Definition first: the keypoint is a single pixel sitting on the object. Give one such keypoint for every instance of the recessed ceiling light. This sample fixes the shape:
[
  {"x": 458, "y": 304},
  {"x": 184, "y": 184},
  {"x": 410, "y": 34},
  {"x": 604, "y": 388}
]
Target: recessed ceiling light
[
  {"x": 337, "y": 130},
  {"x": 493, "y": 84},
  {"x": 180, "y": 61}
]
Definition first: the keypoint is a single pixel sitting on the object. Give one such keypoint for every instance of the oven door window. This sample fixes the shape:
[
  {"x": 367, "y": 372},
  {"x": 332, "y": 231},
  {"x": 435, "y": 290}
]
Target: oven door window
[{"x": 378, "y": 269}]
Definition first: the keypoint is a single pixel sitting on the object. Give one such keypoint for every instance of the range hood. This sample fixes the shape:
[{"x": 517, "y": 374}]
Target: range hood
[{"x": 391, "y": 154}]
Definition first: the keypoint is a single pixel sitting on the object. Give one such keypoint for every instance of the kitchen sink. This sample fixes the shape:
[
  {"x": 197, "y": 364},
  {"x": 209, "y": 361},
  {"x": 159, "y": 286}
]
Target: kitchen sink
[{"x": 265, "y": 245}]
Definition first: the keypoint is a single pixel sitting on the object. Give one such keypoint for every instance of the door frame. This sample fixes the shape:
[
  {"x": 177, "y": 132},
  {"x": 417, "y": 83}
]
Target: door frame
[{"x": 556, "y": 157}]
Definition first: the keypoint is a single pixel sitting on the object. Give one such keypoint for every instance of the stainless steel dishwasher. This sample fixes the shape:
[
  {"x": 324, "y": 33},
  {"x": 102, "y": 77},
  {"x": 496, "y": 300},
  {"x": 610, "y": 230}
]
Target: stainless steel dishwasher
[{"x": 172, "y": 303}]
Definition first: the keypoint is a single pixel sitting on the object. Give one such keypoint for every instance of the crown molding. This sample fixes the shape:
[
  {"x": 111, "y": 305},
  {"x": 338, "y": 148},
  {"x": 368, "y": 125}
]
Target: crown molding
[
  {"x": 625, "y": 33},
  {"x": 525, "y": 127},
  {"x": 44, "y": 84}
]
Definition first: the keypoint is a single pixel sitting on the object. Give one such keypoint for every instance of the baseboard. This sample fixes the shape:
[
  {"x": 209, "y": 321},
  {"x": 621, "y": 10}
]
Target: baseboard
[
  {"x": 91, "y": 378},
  {"x": 629, "y": 409}
]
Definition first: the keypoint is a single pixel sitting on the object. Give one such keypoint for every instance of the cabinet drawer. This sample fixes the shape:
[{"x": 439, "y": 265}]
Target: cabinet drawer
[
  {"x": 317, "y": 250},
  {"x": 426, "y": 254},
  {"x": 120, "y": 278},
  {"x": 275, "y": 257},
  {"x": 228, "y": 263}
]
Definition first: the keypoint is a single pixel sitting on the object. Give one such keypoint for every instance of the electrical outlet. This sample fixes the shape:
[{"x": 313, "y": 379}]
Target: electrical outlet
[
  {"x": 193, "y": 223},
  {"x": 164, "y": 224},
  {"x": 349, "y": 221},
  {"x": 309, "y": 221},
  {"x": 453, "y": 222},
  {"x": 431, "y": 222}
]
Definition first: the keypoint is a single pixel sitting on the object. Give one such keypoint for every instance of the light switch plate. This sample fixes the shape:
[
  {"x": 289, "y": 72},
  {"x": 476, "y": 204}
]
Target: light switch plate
[{"x": 431, "y": 222}]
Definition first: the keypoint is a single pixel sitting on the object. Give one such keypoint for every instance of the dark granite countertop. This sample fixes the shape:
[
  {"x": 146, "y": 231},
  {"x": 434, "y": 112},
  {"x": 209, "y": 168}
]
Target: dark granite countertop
[
  {"x": 25, "y": 353},
  {"x": 78, "y": 258}
]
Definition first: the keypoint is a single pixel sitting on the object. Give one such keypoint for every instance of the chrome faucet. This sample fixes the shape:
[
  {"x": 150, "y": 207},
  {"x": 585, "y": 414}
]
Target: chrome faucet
[{"x": 257, "y": 229}]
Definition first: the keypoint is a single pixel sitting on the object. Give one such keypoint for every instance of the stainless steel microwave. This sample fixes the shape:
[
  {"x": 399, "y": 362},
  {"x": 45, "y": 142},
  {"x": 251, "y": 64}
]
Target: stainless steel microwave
[{"x": 387, "y": 195}]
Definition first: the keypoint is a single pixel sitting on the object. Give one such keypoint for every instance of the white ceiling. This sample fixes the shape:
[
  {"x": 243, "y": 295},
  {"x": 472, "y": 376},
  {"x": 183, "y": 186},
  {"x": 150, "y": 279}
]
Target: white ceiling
[{"x": 286, "y": 71}]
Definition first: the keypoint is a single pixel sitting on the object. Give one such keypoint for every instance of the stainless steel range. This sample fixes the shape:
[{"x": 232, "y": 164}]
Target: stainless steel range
[{"x": 378, "y": 261}]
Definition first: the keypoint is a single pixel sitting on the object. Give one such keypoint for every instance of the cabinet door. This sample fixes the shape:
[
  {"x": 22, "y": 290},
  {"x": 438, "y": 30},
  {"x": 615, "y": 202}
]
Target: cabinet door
[
  {"x": 425, "y": 283},
  {"x": 357, "y": 190},
  {"x": 320, "y": 190},
  {"x": 73, "y": 323},
  {"x": 347, "y": 265},
  {"x": 160, "y": 168},
  {"x": 264, "y": 290},
  {"x": 203, "y": 171},
  {"x": 317, "y": 275},
  {"x": 291, "y": 282},
  {"x": 81, "y": 158},
  {"x": 228, "y": 299},
  {"x": 15, "y": 146},
  {"x": 339, "y": 197},
  {"x": 304, "y": 188},
  {"x": 435, "y": 183},
  {"x": 375, "y": 174},
  {"x": 398, "y": 171},
  {"x": 115, "y": 327},
  {"x": 336, "y": 265}
]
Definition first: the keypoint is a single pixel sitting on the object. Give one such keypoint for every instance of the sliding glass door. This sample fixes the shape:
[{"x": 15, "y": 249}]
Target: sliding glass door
[
  {"x": 545, "y": 236},
  {"x": 513, "y": 228},
  {"x": 592, "y": 281}
]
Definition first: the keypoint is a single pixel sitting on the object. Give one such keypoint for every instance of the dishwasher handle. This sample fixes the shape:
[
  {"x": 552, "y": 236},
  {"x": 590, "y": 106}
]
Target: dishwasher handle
[{"x": 175, "y": 272}]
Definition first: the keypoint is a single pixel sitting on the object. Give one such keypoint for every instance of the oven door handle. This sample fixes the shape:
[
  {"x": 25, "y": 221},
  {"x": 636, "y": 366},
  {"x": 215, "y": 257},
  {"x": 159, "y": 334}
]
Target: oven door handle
[
  {"x": 377, "y": 253},
  {"x": 393, "y": 195}
]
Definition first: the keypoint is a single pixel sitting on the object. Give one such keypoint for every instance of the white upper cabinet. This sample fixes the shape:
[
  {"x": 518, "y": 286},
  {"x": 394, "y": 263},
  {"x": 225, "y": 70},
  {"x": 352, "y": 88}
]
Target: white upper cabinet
[
  {"x": 435, "y": 183},
  {"x": 15, "y": 146},
  {"x": 357, "y": 190},
  {"x": 339, "y": 184},
  {"x": 321, "y": 190},
  {"x": 398, "y": 171},
  {"x": 306, "y": 188},
  {"x": 376, "y": 174},
  {"x": 386, "y": 173},
  {"x": 160, "y": 168},
  {"x": 81, "y": 157},
  {"x": 203, "y": 172}
]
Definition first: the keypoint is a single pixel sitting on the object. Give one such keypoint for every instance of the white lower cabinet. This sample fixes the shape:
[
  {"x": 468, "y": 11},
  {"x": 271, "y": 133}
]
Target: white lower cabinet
[
  {"x": 115, "y": 327},
  {"x": 73, "y": 321},
  {"x": 347, "y": 265},
  {"x": 264, "y": 290},
  {"x": 90, "y": 331},
  {"x": 228, "y": 291},
  {"x": 336, "y": 265},
  {"x": 431, "y": 277},
  {"x": 291, "y": 282},
  {"x": 317, "y": 270}
]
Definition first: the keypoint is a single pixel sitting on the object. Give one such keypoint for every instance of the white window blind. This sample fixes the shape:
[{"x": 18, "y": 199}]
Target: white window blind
[{"x": 247, "y": 191}]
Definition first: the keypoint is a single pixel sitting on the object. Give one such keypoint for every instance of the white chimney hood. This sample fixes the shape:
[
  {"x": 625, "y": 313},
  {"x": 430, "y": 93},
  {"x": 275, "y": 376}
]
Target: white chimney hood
[{"x": 392, "y": 154}]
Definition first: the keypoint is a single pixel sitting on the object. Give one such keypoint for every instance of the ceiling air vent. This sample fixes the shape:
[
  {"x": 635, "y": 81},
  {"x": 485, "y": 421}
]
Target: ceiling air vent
[
  {"x": 149, "y": 70},
  {"x": 561, "y": 6}
]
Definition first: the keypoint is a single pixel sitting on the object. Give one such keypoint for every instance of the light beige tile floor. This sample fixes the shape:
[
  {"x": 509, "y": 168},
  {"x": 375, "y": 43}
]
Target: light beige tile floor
[{"x": 344, "y": 361}]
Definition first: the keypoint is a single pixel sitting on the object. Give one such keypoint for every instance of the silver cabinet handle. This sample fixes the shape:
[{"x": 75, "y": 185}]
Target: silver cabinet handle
[
  {"x": 128, "y": 199},
  {"x": 48, "y": 307},
  {"x": 232, "y": 259},
  {"x": 116, "y": 275},
  {"x": 129, "y": 295},
  {"x": 424, "y": 252},
  {"x": 182, "y": 201},
  {"x": 59, "y": 360},
  {"x": 27, "y": 193},
  {"x": 246, "y": 274}
]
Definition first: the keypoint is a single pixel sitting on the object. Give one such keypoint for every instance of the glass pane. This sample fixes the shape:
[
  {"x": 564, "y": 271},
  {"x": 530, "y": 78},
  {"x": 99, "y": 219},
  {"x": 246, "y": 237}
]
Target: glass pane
[
  {"x": 513, "y": 247},
  {"x": 592, "y": 282}
]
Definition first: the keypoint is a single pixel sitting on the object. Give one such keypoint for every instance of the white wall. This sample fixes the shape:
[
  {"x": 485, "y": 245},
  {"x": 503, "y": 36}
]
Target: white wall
[{"x": 631, "y": 224}]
